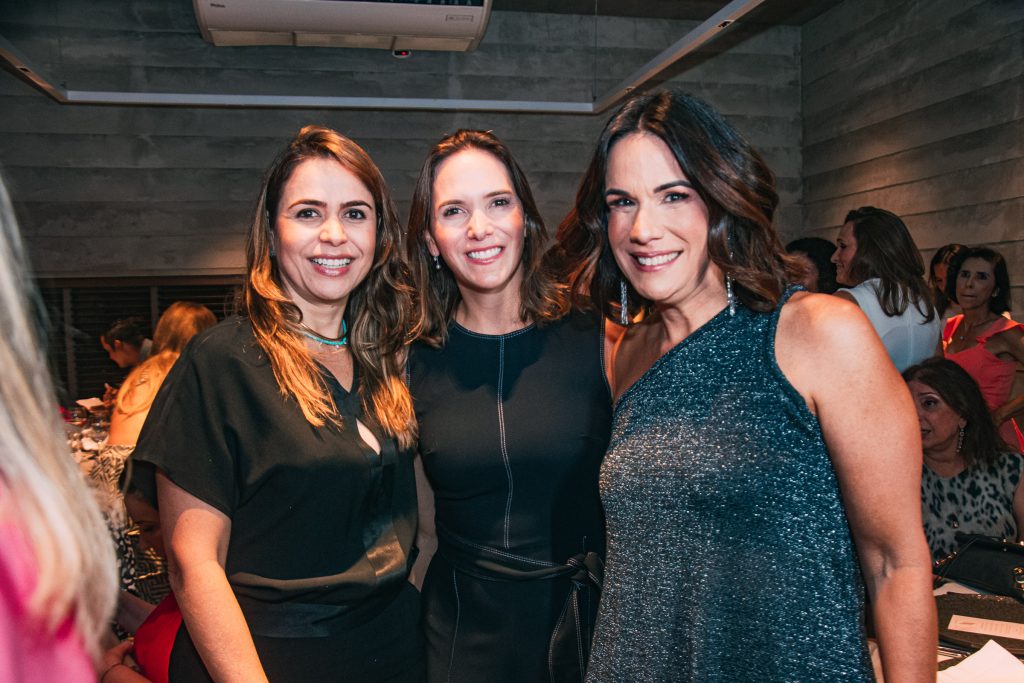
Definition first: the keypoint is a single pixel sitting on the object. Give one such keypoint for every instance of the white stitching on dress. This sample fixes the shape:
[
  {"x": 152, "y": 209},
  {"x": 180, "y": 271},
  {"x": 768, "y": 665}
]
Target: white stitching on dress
[
  {"x": 501, "y": 434},
  {"x": 455, "y": 633}
]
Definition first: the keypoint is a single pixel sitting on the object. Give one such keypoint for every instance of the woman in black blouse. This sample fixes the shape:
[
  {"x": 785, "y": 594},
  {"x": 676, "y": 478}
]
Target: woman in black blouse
[{"x": 286, "y": 491}]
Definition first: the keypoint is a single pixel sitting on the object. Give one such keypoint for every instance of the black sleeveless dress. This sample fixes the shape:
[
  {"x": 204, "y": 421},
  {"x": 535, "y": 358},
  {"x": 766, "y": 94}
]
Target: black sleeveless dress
[{"x": 512, "y": 432}]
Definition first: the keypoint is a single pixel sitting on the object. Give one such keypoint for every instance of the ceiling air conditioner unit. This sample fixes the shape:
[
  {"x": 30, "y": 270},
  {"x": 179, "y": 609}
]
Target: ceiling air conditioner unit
[{"x": 453, "y": 25}]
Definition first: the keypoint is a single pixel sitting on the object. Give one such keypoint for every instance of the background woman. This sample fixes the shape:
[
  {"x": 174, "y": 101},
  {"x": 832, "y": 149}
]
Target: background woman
[
  {"x": 286, "y": 492},
  {"x": 877, "y": 259},
  {"x": 969, "y": 482},
  {"x": 740, "y": 477},
  {"x": 144, "y": 576},
  {"x": 57, "y": 575},
  {"x": 938, "y": 270},
  {"x": 987, "y": 344},
  {"x": 514, "y": 410},
  {"x": 816, "y": 255}
]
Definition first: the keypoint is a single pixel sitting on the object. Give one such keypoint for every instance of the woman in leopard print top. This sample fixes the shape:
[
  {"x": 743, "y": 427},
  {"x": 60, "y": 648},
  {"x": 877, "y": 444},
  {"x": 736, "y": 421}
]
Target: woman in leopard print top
[{"x": 971, "y": 481}]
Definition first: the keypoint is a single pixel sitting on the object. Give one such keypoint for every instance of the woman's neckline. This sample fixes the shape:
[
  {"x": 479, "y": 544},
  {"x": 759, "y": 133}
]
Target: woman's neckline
[{"x": 455, "y": 325}]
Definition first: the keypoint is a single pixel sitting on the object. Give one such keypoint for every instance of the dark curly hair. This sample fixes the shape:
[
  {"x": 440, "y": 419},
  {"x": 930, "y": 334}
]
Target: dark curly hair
[{"x": 728, "y": 174}]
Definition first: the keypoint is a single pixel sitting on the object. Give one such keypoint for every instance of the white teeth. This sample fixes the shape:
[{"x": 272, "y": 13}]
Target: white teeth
[
  {"x": 657, "y": 260},
  {"x": 485, "y": 254},
  {"x": 332, "y": 262}
]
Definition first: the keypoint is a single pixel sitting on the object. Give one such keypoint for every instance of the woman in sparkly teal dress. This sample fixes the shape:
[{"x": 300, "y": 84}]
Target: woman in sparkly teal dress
[{"x": 764, "y": 464}]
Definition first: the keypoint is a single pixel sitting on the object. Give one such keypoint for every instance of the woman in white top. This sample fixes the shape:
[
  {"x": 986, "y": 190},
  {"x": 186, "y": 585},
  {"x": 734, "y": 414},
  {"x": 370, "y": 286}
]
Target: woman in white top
[{"x": 881, "y": 269}]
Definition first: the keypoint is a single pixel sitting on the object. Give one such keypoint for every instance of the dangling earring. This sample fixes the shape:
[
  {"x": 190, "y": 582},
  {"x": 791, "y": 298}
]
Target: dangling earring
[
  {"x": 437, "y": 262},
  {"x": 273, "y": 252},
  {"x": 728, "y": 281},
  {"x": 960, "y": 439},
  {"x": 728, "y": 294},
  {"x": 623, "y": 303}
]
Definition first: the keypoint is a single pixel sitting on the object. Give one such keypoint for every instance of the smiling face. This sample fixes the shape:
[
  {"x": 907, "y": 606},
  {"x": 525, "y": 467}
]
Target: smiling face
[
  {"x": 325, "y": 234},
  {"x": 846, "y": 248},
  {"x": 477, "y": 225},
  {"x": 658, "y": 224},
  {"x": 975, "y": 284},
  {"x": 940, "y": 424}
]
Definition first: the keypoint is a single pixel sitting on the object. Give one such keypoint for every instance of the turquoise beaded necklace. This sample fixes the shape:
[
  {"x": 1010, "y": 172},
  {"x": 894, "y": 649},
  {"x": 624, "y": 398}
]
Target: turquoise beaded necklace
[{"x": 327, "y": 341}]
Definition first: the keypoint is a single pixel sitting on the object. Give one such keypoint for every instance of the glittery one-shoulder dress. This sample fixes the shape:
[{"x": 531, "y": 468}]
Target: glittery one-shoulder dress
[{"x": 729, "y": 557}]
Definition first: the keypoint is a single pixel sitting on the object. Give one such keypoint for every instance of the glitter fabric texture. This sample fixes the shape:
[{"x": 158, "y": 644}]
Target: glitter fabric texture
[{"x": 729, "y": 554}]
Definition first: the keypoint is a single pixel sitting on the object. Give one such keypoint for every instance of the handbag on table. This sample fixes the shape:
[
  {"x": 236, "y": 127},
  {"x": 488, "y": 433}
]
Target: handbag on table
[{"x": 985, "y": 563}]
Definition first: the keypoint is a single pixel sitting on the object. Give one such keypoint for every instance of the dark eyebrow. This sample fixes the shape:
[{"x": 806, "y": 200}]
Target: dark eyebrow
[
  {"x": 317, "y": 202},
  {"x": 666, "y": 186},
  {"x": 659, "y": 188}
]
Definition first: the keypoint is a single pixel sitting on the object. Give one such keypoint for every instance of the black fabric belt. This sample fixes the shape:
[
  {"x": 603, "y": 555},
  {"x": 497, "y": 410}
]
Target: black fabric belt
[
  {"x": 569, "y": 645},
  {"x": 314, "y": 620}
]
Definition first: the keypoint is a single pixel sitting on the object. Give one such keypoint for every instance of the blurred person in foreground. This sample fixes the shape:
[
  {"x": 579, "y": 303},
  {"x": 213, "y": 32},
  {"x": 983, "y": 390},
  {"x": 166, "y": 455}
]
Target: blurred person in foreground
[{"x": 57, "y": 574}]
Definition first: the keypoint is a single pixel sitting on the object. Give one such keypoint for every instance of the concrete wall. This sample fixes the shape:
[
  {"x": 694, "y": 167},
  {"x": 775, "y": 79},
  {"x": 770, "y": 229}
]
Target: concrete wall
[
  {"x": 118, "y": 191},
  {"x": 917, "y": 106}
]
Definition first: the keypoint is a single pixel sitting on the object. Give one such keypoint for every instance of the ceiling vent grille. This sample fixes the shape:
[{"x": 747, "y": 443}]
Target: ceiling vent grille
[{"x": 449, "y": 25}]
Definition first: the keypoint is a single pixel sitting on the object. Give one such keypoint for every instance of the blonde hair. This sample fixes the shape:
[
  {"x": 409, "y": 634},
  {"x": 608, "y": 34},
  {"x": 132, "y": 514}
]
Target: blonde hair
[
  {"x": 179, "y": 323},
  {"x": 43, "y": 493},
  {"x": 378, "y": 310}
]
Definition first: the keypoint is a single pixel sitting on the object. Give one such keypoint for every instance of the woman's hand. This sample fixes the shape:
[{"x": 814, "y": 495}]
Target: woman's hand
[{"x": 117, "y": 667}]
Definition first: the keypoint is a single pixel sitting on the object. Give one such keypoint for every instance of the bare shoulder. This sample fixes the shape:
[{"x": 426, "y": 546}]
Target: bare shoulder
[
  {"x": 821, "y": 323},
  {"x": 824, "y": 342}
]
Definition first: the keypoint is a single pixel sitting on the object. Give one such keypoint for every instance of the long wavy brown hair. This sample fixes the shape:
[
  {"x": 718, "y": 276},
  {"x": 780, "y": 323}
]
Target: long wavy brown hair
[
  {"x": 543, "y": 297},
  {"x": 179, "y": 323},
  {"x": 885, "y": 250},
  {"x": 726, "y": 171},
  {"x": 378, "y": 311}
]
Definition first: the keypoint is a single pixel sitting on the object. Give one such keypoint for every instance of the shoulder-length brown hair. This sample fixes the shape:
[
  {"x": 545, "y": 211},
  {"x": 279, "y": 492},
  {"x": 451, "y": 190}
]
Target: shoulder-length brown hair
[
  {"x": 982, "y": 444},
  {"x": 885, "y": 250},
  {"x": 542, "y": 296},
  {"x": 726, "y": 171},
  {"x": 378, "y": 309}
]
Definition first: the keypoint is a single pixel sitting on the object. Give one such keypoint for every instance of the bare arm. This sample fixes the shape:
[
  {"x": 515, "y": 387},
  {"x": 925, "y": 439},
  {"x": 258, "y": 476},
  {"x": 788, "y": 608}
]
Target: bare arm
[
  {"x": 833, "y": 357},
  {"x": 426, "y": 534},
  {"x": 197, "y": 540},
  {"x": 132, "y": 611},
  {"x": 1018, "y": 509},
  {"x": 1009, "y": 344}
]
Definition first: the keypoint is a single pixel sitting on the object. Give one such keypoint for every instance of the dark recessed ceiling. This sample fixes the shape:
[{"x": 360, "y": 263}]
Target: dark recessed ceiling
[{"x": 792, "y": 12}]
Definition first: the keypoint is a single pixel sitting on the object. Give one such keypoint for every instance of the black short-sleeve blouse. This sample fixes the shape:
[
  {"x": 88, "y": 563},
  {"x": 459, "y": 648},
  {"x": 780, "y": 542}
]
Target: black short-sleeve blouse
[{"x": 317, "y": 517}]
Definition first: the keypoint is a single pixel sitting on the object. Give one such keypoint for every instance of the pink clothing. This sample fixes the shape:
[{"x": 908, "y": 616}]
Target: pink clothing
[
  {"x": 993, "y": 374},
  {"x": 27, "y": 653}
]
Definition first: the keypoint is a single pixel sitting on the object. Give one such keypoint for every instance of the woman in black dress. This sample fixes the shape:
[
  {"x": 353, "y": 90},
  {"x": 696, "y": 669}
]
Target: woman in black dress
[
  {"x": 282, "y": 438},
  {"x": 514, "y": 410}
]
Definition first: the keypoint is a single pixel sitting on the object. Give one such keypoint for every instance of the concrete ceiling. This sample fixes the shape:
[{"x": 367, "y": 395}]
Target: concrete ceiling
[{"x": 789, "y": 12}]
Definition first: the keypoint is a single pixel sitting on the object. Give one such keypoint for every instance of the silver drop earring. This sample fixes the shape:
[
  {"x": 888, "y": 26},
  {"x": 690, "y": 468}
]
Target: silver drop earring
[
  {"x": 437, "y": 262},
  {"x": 623, "y": 302},
  {"x": 728, "y": 294},
  {"x": 960, "y": 439}
]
